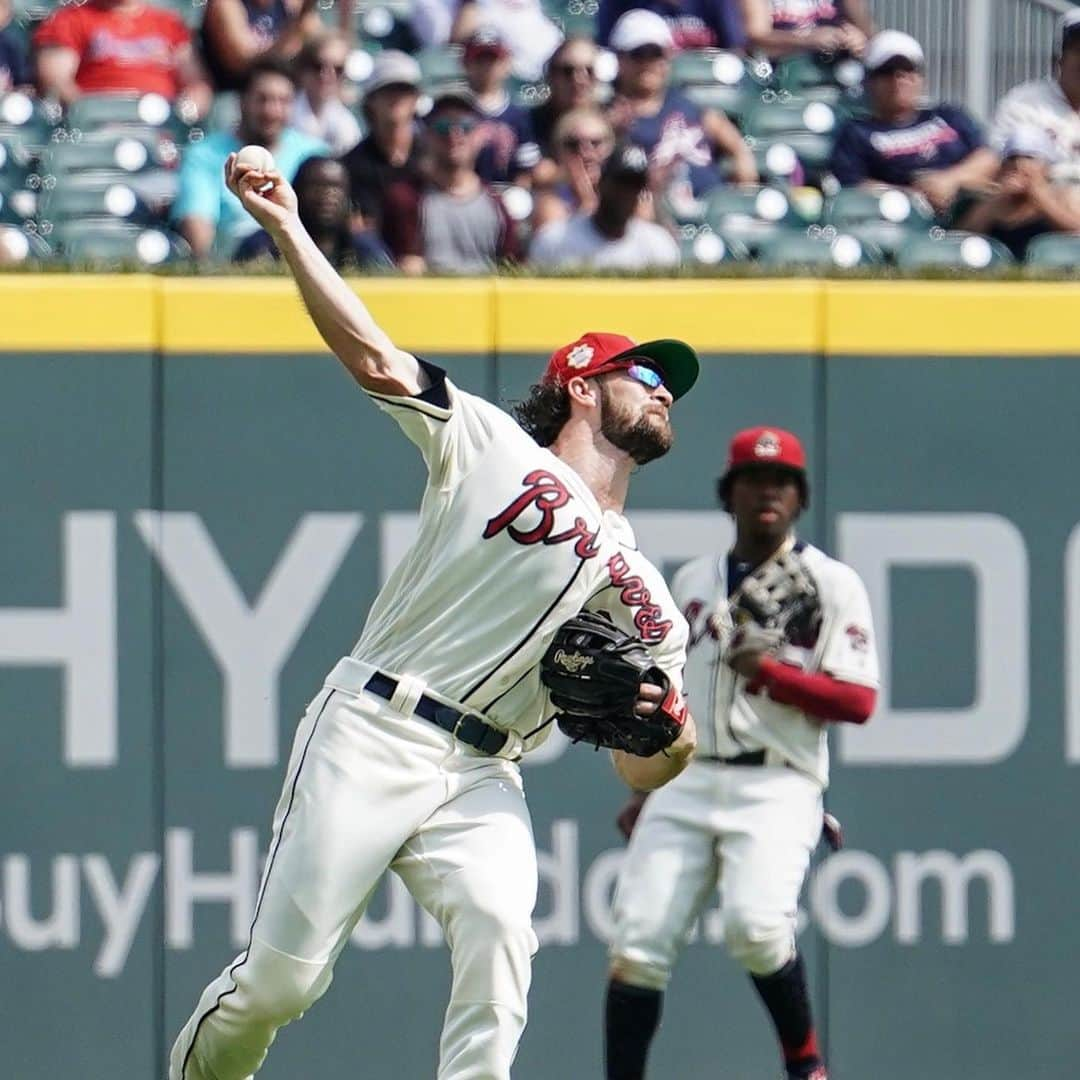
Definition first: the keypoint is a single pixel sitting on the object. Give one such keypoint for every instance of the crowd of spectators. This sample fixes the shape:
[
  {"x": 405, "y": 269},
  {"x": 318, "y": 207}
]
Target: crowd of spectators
[{"x": 599, "y": 167}]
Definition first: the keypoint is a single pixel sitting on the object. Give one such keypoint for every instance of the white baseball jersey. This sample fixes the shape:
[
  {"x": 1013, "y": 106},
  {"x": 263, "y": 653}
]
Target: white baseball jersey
[
  {"x": 730, "y": 721},
  {"x": 1042, "y": 104},
  {"x": 511, "y": 544}
]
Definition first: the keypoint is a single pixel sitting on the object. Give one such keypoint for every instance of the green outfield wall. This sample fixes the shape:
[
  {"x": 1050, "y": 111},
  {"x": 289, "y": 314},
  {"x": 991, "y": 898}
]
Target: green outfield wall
[{"x": 198, "y": 507}]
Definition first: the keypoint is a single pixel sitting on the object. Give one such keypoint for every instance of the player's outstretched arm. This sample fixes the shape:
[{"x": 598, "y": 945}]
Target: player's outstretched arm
[{"x": 339, "y": 315}]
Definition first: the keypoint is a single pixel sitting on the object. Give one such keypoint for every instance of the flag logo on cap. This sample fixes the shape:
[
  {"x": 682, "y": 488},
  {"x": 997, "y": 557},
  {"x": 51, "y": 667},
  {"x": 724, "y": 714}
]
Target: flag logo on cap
[
  {"x": 767, "y": 445},
  {"x": 580, "y": 356}
]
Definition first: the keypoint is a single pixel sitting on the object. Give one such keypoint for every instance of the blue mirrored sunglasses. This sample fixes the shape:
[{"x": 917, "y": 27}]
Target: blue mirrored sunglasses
[{"x": 645, "y": 375}]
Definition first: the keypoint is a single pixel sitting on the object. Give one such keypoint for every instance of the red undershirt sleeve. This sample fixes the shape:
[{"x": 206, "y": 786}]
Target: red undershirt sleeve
[{"x": 815, "y": 693}]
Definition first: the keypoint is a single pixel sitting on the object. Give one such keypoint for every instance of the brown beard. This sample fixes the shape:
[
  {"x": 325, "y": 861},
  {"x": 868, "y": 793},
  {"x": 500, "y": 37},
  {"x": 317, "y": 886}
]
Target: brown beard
[{"x": 642, "y": 439}]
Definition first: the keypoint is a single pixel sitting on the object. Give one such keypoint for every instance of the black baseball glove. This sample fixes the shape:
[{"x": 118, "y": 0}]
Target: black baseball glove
[
  {"x": 593, "y": 672},
  {"x": 781, "y": 597}
]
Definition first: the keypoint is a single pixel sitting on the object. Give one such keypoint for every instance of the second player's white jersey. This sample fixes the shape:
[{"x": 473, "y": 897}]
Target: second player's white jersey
[
  {"x": 511, "y": 544},
  {"x": 730, "y": 721}
]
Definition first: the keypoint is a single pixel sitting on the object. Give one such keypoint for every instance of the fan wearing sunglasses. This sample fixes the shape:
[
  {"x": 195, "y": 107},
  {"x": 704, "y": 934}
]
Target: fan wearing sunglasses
[
  {"x": 319, "y": 109},
  {"x": 614, "y": 236},
  {"x": 450, "y": 222},
  {"x": 683, "y": 141},
  {"x": 568, "y": 184},
  {"x": 571, "y": 79}
]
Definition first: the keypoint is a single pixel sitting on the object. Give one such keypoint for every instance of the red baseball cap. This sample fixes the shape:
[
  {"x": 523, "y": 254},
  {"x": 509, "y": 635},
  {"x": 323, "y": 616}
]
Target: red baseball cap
[
  {"x": 594, "y": 353},
  {"x": 764, "y": 446}
]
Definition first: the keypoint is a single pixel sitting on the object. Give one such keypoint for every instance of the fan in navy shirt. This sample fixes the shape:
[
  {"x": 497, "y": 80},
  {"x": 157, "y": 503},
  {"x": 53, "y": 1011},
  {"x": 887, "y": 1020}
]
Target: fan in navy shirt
[
  {"x": 938, "y": 151},
  {"x": 508, "y": 148},
  {"x": 680, "y": 138},
  {"x": 14, "y": 54},
  {"x": 694, "y": 24},
  {"x": 826, "y": 27}
]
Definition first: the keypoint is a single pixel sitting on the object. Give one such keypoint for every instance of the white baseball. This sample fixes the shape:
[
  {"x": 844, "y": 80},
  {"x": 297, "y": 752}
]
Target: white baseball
[{"x": 258, "y": 157}]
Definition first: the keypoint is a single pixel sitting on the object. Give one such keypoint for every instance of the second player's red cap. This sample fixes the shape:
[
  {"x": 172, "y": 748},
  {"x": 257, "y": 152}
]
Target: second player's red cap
[
  {"x": 766, "y": 446},
  {"x": 770, "y": 446},
  {"x": 594, "y": 353}
]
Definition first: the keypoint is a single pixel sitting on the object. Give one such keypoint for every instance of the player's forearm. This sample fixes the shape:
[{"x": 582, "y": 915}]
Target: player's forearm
[
  {"x": 815, "y": 693},
  {"x": 648, "y": 773},
  {"x": 344, "y": 322}
]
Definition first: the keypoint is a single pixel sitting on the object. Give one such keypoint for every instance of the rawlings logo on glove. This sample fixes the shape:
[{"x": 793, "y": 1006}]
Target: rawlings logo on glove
[{"x": 593, "y": 672}]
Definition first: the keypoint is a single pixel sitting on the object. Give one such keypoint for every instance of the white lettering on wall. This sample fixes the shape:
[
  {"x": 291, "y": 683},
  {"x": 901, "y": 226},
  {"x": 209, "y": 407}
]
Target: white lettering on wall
[
  {"x": 250, "y": 642},
  {"x": 992, "y": 548},
  {"x": 184, "y": 887},
  {"x": 79, "y": 636}
]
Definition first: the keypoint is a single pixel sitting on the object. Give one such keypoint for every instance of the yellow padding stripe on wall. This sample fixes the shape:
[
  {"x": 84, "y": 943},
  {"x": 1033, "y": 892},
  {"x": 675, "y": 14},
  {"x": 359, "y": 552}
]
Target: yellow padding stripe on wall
[
  {"x": 78, "y": 312},
  {"x": 714, "y": 316},
  {"x": 251, "y": 315},
  {"x": 85, "y": 313},
  {"x": 943, "y": 318}
]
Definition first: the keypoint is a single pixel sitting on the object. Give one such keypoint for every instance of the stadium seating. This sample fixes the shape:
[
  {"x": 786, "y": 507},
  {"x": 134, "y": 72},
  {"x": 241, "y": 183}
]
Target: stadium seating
[
  {"x": 886, "y": 219},
  {"x": 116, "y": 242},
  {"x": 820, "y": 249},
  {"x": 1055, "y": 251},
  {"x": 715, "y": 79},
  {"x": 959, "y": 251},
  {"x": 703, "y": 247}
]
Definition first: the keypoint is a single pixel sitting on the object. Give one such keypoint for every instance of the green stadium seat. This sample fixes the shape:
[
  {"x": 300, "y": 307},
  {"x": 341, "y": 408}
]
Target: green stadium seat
[
  {"x": 886, "y": 219},
  {"x": 703, "y": 247},
  {"x": 778, "y": 159},
  {"x": 20, "y": 243},
  {"x": 822, "y": 250},
  {"x": 93, "y": 195},
  {"x": 762, "y": 203},
  {"x": 438, "y": 66},
  {"x": 952, "y": 251},
  {"x": 749, "y": 216},
  {"x": 129, "y": 151},
  {"x": 715, "y": 79},
  {"x": 1055, "y": 251},
  {"x": 854, "y": 206},
  {"x": 106, "y": 240},
  {"x": 796, "y": 115},
  {"x": 26, "y": 124},
  {"x": 134, "y": 112},
  {"x": 804, "y": 72},
  {"x": 18, "y": 205}
]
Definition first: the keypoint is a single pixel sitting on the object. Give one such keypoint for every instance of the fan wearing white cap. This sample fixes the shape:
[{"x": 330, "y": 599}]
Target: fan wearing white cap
[
  {"x": 390, "y": 153},
  {"x": 1027, "y": 203},
  {"x": 826, "y": 27},
  {"x": 1052, "y": 104},
  {"x": 935, "y": 150},
  {"x": 680, "y": 138}
]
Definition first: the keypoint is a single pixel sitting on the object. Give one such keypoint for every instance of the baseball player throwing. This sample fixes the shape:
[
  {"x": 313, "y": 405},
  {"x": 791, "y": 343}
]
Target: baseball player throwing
[
  {"x": 407, "y": 757},
  {"x": 781, "y": 644}
]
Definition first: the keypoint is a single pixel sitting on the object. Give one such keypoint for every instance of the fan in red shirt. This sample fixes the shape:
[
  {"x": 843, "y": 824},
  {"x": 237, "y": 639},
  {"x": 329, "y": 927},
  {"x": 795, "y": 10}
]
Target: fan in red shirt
[{"x": 117, "y": 46}]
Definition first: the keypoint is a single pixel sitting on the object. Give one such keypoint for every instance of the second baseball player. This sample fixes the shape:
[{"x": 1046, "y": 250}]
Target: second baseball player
[{"x": 747, "y": 813}]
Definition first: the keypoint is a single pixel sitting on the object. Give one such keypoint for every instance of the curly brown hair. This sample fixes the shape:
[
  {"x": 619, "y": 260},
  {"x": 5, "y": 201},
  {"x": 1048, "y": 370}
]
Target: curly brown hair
[{"x": 544, "y": 412}]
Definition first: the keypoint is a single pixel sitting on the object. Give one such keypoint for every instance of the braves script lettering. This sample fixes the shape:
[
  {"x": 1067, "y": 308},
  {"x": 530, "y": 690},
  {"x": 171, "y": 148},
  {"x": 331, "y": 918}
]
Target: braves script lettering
[
  {"x": 648, "y": 618},
  {"x": 546, "y": 494}
]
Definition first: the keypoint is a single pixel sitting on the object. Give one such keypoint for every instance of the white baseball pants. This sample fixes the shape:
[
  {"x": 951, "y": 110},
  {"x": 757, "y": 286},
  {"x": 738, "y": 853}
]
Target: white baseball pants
[
  {"x": 750, "y": 829},
  {"x": 370, "y": 788}
]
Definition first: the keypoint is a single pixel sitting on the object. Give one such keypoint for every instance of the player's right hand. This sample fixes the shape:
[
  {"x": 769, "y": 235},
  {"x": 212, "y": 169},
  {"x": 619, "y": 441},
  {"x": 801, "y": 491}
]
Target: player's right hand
[
  {"x": 271, "y": 207},
  {"x": 628, "y": 815}
]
